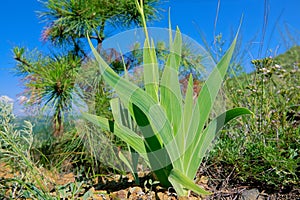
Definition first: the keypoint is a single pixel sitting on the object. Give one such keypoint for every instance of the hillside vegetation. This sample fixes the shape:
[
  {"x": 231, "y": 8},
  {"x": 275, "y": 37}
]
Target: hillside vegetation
[
  {"x": 259, "y": 152},
  {"x": 262, "y": 151}
]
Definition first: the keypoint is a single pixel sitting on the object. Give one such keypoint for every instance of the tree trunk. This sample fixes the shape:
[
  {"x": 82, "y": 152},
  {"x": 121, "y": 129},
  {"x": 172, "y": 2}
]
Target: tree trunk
[{"x": 57, "y": 125}]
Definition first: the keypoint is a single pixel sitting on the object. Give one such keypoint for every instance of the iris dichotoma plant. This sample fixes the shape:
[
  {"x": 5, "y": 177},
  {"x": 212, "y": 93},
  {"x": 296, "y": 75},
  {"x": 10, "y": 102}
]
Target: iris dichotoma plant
[{"x": 176, "y": 130}]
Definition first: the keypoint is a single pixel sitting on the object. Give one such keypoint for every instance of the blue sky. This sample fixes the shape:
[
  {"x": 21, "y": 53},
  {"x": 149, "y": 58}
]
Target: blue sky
[{"x": 20, "y": 26}]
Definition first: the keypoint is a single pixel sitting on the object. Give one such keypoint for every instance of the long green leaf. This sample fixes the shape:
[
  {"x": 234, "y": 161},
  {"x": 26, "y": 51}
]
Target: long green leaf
[
  {"x": 204, "y": 105},
  {"x": 177, "y": 177},
  {"x": 170, "y": 95},
  {"x": 212, "y": 85},
  {"x": 124, "y": 133},
  {"x": 129, "y": 92},
  {"x": 154, "y": 119},
  {"x": 209, "y": 134},
  {"x": 185, "y": 123},
  {"x": 188, "y": 106},
  {"x": 151, "y": 75},
  {"x": 157, "y": 155}
]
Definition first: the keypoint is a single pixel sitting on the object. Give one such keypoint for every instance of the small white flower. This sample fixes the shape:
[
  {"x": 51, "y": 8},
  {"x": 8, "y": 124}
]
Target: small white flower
[{"x": 277, "y": 66}]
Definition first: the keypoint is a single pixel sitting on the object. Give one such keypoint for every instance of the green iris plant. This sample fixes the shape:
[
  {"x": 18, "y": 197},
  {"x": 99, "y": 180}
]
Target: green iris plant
[{"x": 176, "y": 129}]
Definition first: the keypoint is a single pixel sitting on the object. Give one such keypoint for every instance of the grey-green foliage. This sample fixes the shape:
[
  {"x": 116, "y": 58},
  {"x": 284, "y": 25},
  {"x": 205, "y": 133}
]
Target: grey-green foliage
[
  {"x": 14, "y": 142},
  {"x": 6, "y": 115},
  {"x": 15, "y": 151}
]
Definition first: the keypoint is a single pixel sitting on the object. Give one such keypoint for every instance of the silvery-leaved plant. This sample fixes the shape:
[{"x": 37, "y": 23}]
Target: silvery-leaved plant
[{"x": 174, "y": 130}]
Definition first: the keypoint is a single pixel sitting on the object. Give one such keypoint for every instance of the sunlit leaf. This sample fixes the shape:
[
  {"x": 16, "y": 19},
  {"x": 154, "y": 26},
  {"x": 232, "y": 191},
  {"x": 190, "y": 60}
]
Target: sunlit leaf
[{"x": 186, "y": 182}]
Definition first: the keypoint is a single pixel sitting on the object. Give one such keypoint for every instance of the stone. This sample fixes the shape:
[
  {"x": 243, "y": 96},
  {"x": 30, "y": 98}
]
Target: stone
[
  {"x": 136, "y": 193},
  {"x": 120, "y": 195},
  {"x": 252, "y": 194}
]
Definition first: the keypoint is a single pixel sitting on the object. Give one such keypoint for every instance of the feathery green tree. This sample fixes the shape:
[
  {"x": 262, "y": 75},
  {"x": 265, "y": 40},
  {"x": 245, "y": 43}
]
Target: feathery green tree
[{"x": 49, "y": 79}]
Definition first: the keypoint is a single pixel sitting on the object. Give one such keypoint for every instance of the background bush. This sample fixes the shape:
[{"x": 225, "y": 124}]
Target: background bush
[{"x": 263, "y": 151}]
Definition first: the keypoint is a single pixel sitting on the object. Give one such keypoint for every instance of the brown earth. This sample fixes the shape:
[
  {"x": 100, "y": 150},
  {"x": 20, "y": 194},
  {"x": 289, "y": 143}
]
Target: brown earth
[{"x": 123, "y": 187}]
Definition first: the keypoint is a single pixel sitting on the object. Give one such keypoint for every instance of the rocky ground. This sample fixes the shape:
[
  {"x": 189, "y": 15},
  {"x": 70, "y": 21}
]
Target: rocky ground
[{"x": 123, "y": 187}]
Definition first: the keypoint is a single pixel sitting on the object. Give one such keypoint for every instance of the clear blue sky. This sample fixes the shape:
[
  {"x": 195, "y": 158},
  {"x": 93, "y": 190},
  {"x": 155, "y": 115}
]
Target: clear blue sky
[{"x": 20, "y": 26}]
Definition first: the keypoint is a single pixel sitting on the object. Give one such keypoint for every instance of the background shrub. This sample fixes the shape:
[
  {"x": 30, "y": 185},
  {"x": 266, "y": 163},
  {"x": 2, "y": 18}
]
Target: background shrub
[{"x": 264, "y": 150}]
